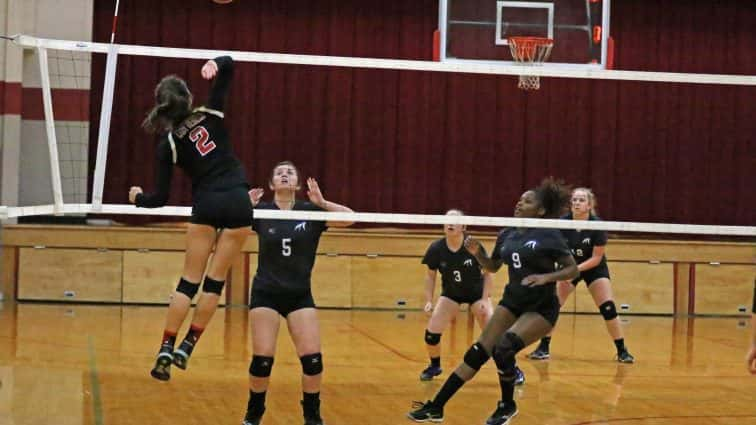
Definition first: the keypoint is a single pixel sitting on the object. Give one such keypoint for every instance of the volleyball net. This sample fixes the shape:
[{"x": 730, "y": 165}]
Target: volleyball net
[{"x": 68, "y": 63}]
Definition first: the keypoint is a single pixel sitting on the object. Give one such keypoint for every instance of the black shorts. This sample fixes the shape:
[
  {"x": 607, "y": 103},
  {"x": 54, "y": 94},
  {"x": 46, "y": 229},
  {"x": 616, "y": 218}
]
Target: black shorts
[
  {"x": 463, "y": 298},
  {"x": 283, "y": 303},
  {"x": 592, "y": 275},
  {"x": 229, "y": 209},
  {"x": 547, "y": 307}
]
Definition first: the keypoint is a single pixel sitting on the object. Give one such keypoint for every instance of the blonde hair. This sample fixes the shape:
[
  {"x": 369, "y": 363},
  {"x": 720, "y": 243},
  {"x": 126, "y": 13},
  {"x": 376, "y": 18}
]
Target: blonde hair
[{"x": 591, "y": 197}]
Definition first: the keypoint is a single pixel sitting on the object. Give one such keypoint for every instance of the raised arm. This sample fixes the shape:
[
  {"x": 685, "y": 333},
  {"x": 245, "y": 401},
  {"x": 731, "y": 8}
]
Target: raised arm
[
  {"x": 316, "y": 197},
  {"x": 475, "y": 248},
  {"x": 222, "y": 69}
]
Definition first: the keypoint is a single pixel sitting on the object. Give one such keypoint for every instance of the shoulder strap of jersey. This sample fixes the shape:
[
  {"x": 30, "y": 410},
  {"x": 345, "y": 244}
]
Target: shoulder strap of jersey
[
  {"x": 207, "y": 110},
  {"x": 174, "y": 154}
]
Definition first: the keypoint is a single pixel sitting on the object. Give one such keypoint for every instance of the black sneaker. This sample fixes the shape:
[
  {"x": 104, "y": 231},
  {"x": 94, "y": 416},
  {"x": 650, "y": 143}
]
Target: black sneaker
[
  {"x": 503, "y": 414},
  {"x": 519, "y": 376},
  {"x": 625, "y": 357},
  {"x": 313, "y": 417},
  {"x": 162, "y": 369},
  {"x": 252, "y": 418},
  {"x": 539, "y": 354},
  {"x": 181, "y": 355},
  {"x": 426, "y": 412},
  {"x": 430, "y": 372}
]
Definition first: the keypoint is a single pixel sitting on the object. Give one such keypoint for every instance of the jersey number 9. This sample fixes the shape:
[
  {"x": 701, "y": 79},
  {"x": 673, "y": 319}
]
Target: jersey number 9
[{"x": 516, "y": 260}]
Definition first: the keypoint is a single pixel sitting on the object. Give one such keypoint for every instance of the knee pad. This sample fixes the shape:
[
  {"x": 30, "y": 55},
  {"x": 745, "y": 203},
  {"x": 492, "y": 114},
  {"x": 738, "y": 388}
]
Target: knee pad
[
  {"x": 213, "y": 286},
  {"x": 261, "y": 366},
  {"x": 504, "y": 352},
  {"x": 312, "y": 364},
  {"x": 476, "y": 356},
  {"x": 431, "y": 338},
  {"x": 187, "y": 288},
  {"x": 608, "y": 310}
]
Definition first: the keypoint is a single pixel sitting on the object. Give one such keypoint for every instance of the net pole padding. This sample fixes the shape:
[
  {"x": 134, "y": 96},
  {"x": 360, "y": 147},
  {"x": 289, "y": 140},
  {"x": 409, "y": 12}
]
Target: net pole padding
[
  {"x": 456, "y": 66},
  {"x": 619, "y": 226},
  {"x": 103, "y": 133},
  {"x": 52, "y": 140}
]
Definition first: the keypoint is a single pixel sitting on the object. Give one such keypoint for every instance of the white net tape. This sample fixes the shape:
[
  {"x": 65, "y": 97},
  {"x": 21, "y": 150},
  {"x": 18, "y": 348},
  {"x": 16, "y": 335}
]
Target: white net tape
[
  {"x": 390, "y": 218},
  {"x": 405, "y": 65}
]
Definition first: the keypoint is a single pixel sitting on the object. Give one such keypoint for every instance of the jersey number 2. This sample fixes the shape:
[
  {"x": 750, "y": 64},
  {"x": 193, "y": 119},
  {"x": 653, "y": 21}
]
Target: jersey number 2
[{"x": 201, "y": 139}]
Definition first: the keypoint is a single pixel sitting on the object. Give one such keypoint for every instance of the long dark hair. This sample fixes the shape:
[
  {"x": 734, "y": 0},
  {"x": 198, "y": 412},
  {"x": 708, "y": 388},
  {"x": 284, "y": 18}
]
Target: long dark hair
[
  {"x": 553, "y": 195},
  {"x": 173, "y": 103}
]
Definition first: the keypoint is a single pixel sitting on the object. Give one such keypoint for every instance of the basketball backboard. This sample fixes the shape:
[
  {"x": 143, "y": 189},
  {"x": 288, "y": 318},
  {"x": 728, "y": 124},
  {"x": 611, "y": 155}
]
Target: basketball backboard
[{"x": 477, "y": 30}]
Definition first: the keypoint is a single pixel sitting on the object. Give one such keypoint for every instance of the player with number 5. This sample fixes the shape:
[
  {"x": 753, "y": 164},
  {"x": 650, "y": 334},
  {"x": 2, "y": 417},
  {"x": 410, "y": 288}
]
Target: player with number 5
[
  {"x": 196, "y": 140},
  {"x": 281, "y": 288}
]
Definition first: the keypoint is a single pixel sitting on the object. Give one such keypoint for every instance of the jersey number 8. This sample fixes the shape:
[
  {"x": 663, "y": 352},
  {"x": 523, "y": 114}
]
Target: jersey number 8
[{"x": 201, "y": 139}]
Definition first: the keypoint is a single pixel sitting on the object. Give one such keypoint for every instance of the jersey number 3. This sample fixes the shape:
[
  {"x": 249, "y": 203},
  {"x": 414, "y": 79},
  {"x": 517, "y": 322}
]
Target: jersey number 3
[{"x": 201, "y": 139}]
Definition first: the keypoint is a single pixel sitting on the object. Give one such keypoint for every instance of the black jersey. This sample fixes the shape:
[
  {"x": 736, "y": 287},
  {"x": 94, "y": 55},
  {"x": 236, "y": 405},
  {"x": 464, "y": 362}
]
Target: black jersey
[
  {"x": 200, "y": 146},
  {"x": 527, "y": 252},
  {"x": 581, "y": 242},
  {"x": 287, "y": 250},
  {"x": 460, "y": 271}
]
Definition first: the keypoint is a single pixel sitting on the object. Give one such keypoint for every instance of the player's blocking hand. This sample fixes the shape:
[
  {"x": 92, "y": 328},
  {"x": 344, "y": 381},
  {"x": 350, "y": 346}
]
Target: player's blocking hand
[
  {"x": 255, "y": 195},
  {"x": 472, "y": 245},
  {"x": 209, "y": 70}
]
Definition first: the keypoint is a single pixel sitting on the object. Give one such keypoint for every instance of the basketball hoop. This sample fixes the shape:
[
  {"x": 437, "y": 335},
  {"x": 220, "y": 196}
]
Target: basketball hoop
[{"x": 530, "y": 51}]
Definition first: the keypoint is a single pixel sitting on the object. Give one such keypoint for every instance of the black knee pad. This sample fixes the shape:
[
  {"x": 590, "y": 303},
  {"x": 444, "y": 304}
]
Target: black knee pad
[
  {"x": 187, "y": 288},
  {"x": 260, "y": 366},
  {"x": 504, "y": 352},
  {"x": 312, "y": 364},
  {"x": 476, "y": 356},
  {"x": 431, "y": 338},
  {"x": 213, "y": 286},
  {"x": 608, "y": 310}
]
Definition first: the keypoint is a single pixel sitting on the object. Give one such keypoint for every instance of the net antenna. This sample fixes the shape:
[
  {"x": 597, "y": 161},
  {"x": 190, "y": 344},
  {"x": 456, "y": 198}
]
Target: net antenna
[
  {"x": 105, "y": 113},
  {"x": 530, "y": 51}
]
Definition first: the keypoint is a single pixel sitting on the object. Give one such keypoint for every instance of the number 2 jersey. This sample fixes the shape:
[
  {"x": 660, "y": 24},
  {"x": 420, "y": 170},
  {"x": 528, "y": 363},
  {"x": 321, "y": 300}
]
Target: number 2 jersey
[
  {"x": 461, "y": 277},
  {"x": 287, "y": 250},
  {"x": 200, "y": 146},
  {"x": 526, "y": 252}
]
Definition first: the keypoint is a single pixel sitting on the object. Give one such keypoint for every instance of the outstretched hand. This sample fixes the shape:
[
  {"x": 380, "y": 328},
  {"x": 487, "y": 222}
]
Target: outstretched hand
[
  {"x": 255, "y": 195},
  {"x": 209, "y": 70},
  {"x": 472, "y": 245},
  {"x": 535, "y": 280},
  {"x": 314, "y": 193},
  {"x": 751, "y": 360}
]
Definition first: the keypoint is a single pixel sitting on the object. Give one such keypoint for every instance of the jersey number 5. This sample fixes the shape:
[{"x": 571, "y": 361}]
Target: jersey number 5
[
  {"x": 286, "y": 247},
  {"x": 201, "y": 139}
]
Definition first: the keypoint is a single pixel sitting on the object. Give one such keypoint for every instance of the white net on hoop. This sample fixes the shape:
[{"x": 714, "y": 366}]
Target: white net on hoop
[{"x": 530, "y": 51}]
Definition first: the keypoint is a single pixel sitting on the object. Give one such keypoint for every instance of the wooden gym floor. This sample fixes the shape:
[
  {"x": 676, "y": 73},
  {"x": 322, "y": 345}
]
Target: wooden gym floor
[{"x": 78, "y": 364}]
